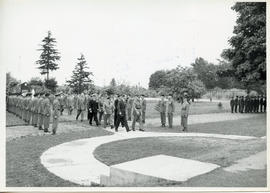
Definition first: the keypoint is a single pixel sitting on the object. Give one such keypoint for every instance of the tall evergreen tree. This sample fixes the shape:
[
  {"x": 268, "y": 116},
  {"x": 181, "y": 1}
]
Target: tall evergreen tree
[
  {"x": 49, "y": 55},
  {"x": 80, "y": 80}
]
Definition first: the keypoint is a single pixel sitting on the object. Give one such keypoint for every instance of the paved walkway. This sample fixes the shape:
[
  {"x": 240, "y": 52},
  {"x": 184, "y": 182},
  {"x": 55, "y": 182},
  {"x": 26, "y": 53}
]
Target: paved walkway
[
  {"x": 13, "y": 132},
  {"x": 74, "y": 161}
]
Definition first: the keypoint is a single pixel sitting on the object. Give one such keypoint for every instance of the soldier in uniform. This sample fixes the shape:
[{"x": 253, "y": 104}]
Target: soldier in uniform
[
  {"x": 121, "y": 110},
  {"x": 55, "y": 113},
  {"x": 252, "y": 104},
  {"x": 261, "y": 103},
  {"x": 62, "y": 103},
  {"x": 232, "y": 104},
  {"x": 171, "y": 109},
  {"x": 40, "y": 111},
  {"x": 162, "y": 110},
  {"x": 108, "y": 109},
  {"x": 115, "y": 109},
  {"x": 257, "y": 102},
  {"x": 184, "y": 113},
  {"x": 143, "y": 101},
  {"x": 236, "y": 104},
  {"x": 46, "y": 112},
  {"x": 100, "y": 108},
  {"x": 137, "y": 113},
  {"x": 35, "y": 109},
  {"x": 81, "y": 106},
  {"x": 241, "y": 104},
  {"x": 70, "y": 104},
  {"x": 129, "y": 107},
  {"x": 264, "y": 104}
]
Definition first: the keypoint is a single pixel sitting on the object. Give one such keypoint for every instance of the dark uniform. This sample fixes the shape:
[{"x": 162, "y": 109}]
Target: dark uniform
[
  {"x": 232, "y": 104},
  {"x": 236, "y": 104},
  {"x": 93, "y": 110}
]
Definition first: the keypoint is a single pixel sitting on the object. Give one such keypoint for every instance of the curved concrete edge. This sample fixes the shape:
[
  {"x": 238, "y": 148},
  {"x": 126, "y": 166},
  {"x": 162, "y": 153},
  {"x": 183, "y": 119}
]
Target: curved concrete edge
[{"x": 74, "y": 161}]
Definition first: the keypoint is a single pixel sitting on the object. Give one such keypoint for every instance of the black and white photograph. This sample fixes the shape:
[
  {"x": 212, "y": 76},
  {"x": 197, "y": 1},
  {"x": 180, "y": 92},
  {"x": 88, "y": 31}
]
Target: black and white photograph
[{"x": 133, "y": 95}]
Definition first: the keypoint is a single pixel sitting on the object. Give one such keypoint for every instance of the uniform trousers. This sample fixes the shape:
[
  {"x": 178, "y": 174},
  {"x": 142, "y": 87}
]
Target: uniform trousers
[
  {"x": 170, "y": 119},
  {"x": 121, "y": 119},
  {"x": 108, "y": 120},
  {"x": 163, "y": 118}
]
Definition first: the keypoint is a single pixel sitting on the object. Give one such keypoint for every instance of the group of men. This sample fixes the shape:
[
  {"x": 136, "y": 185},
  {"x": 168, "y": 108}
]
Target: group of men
[
  {"x": 114, "y": 110},
  {"x": 36, "y": 110},
  {"x": 248, "y": 104}
]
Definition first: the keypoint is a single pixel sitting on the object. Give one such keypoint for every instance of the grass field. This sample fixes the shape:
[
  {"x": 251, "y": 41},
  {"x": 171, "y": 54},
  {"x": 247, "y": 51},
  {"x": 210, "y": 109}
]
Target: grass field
[
  {"x": 254, "y": 126},
  {"x": 23, "y": 167}
]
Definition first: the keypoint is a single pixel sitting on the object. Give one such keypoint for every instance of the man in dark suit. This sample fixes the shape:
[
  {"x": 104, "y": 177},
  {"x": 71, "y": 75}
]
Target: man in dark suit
[
  {"x": 93, "y": 110},
  {"x": 115, "y": 109},
  {"x": 121, "y": 114}
]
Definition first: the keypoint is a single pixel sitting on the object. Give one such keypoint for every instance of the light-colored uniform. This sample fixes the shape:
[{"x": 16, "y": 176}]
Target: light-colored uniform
[
  {"x": 55, "y": 115},
  {"x": 184, "y": 114}
]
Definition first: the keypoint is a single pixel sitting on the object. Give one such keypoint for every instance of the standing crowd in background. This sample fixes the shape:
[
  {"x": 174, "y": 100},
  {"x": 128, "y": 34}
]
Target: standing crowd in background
[
  {"x": 41, "y": 109},
  {"x": 248, "y": 104}
]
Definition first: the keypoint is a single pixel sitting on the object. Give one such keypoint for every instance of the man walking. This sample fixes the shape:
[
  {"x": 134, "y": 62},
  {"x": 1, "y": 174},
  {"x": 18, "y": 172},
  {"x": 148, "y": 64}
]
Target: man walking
[
  {"x": 108, "y": 109},
  {"x": 81, "y": 106},
  {"x": 137, "y": 113},
  {"x": 121, "y": 117},
  {"x": 184, "y": 113},
  {"x": 93, "y": 109},
  {"x": 143, "y": 108}
]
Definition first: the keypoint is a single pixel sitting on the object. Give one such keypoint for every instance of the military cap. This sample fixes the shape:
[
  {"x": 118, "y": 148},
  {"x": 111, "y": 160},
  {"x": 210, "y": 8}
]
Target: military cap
[
  {"x": 47, "y": 94},
  {"x": 58, "y": 94}
]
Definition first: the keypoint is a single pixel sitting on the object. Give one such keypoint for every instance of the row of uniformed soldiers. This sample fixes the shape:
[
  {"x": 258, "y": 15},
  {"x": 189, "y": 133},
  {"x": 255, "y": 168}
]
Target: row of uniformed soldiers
[
  {"x": 36, "y": 110},
  {"x": 247, "y": 104}
]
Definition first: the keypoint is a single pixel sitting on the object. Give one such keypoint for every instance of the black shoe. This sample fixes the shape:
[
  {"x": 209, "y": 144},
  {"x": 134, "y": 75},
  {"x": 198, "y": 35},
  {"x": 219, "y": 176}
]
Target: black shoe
[
  {"x": 112, "y": 127},
  {"x": 40, "y": 128},
  {"x": 128, "y": 130},
  {"x": 141, "y": 130}
]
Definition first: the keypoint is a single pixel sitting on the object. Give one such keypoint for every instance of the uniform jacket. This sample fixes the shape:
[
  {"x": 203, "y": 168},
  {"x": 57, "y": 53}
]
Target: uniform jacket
[
  {"x": 81, "y": 103},
  {"x": 108, "y": 107},
  {"x": 143, "y": 105},
  {"x": 56, "y": 108},
  {"x": 162, "y": 106},
  {"x": 93, "y": 106},
  {"x": 185, "y": 109},
  {"x": 171, "y": 107},
  {"x": 47, "y": 107}
]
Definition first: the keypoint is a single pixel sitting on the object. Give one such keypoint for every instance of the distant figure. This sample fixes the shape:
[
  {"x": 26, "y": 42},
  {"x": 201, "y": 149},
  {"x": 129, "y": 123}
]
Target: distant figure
[
  {"x": 162, "y": 110},
  {"x": 184, "y": 113},
  {"x": 232, "y": 104},
  {"x": 56, "y": 113},
  {"x": 143, "y": 101},
  {"x": 47, "y": 112},
  {"x": 81, "y": 106},
  {"x": 129, "y": 107},
  {"x": 261, "y": 104},
  {"x": 236, "y": 104},
  {"x": 93, "y": 110},
  {"x": 264, "y": 104},
  {"x": 137, "y": 113},
  {"x": 170, "y": 112},
  {"x": 108, "y": 109}
]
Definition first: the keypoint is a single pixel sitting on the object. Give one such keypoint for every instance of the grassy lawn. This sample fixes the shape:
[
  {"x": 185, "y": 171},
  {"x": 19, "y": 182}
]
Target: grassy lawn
[
  {"x": 195, "y": 108},
  {"x": 23, "y": 168},
  {"x": 254, "y": 126},
  {"x": 12, "y": 120},
  {"x": 218, "y": 151}
]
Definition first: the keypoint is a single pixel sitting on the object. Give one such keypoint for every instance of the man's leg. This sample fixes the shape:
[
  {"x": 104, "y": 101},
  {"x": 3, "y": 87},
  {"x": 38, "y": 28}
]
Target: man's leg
[
  {"x": 143, "y": 117},
  {"x": 90, "y": 118},
  {"x": 118, "y": 120},
  {"x": 133, "y": 122},
  {"x": 96, "y": 119},
  {"x": 82, "y": 115},
  {"x": 78, "y": 113}
]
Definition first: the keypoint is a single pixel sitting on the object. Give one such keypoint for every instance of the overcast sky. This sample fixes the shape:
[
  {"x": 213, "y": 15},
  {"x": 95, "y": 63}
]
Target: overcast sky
[{"x": 124, "y": 39}]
